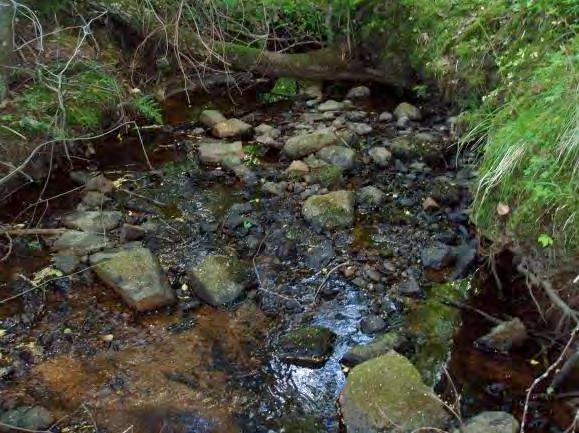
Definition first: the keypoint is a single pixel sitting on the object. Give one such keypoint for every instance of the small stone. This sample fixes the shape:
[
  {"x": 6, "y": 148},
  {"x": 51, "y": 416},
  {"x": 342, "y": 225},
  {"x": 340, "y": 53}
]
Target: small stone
[
  {"x": 505, "y": 336},
  {"x": 356, "y": 116},
  {"x": 267, "y": 131},
  {"x": 334, "y": 210},
  {"x": 425, "y": 137},
  {"x": 94, "y": 199},
  {"x": 210, "y": 118},
  {"x": 402, "y": 123},
  {"x": 437, "y": 256},
  {"x": 67, "y": 263},
  {"x": 386, "y": 117},
  {"x": 93, "y": 221},
  {"x": 407, "y": 110},
  {"x": 313, "y": 91},
  {"x": 372, "y": 324},
  {"x": 232, "y": 128},
  {"x": 309, "y": 346},
  {"x": 410, "y": 287},
  {"x": 490, "y": 422},
  {"x": 107, "y": 338},
  {"x": 349, "y": 271},
  {"x": 80, "y": 243},
  {"x": 401, "y": 148},
  {"x": 430, "y": 204},
  {"x": 27, "y": 417},
  {"x": 330, "y": 105},
  {"x": 216, "y": 152},
  {"x": 359, "y": 92},
  {"x": 381, "y": 345},
  {"x": 298, "y": 166},
  {"x": 340, "y": 156},
  {"x": 360, "y": 128},
  {"x": 135, "y": 274},
  {"x": 370, "y": 196},
  {"x": 274, "y": 188},
  {"x": 99, "y": 183},
  {"x": 130, "y": 232},
  {"x": 305, "y": 144},
  {"x": 218, "y": 280},
  {"x": 380, "y": 155}
]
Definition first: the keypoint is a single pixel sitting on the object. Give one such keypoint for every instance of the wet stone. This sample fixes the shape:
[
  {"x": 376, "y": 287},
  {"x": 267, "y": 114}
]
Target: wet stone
[
  {"x": 330, "y": 211},
  {"x": 67, "y": 263},
  {"x": 407, "y": 110},
  {"x": 380, "y": 155},
  {"x": 218, "y": 280},
  {"x": 27, "y": 417},
  {"x": 490, "y": 422},
  {"x": 372, "y": 324},
  {"x": 370, "y": 196},
  {"x": 385, "y": 117},
  {"x": 436, "y": 256},
  {"x": 80, "y": 243},
  {"x": 210, "y": 118},
  {"x": 216, "y": 152},
  {"x": 359, "y": 92},
  {"x": 360, "y": 128},
  {"x": 386, "y": 395},
  {"x": 130, "y": 232},
  {"x": 135, "y": 274},
  {"x": 504, "y": 336},
  {"x": 99, "y": 183},
  {"x": 340, "y": 156},
  {"x": 232, "y": 128},
  {"x": 266, "y": 130},
  {"x": 310, "y": 346},
  {"x": 93, "y": 221},
  {"x": 305, "y": 144},
  {"x": 381, "y": 345},
  {"x": 330, "y": 105}
]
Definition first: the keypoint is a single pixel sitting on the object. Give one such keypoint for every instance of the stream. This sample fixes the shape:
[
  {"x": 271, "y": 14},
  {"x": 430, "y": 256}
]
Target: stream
[{"x": 73, "y": 346}]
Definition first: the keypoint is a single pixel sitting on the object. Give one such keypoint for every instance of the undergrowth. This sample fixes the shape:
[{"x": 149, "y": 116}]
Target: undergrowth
[{"x": 512, "y": 66}]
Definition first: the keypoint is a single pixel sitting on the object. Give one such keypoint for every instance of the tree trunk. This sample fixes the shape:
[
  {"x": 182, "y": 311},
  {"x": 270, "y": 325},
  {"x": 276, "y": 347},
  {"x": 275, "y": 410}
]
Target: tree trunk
[{"x": 6, "y": 47}]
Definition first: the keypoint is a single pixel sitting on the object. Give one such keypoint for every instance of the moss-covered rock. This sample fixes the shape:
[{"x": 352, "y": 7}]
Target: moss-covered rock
[
  {"x": 218, "y": 280},
  {"x": 309, "y": 346},
  {"x": 387, "y": 395},
  {"x": 135, "y": 274},
  {"x": 305, "y": 144},
  {"x": 381, "y": 345},
  {"x": 325, "y": 175},
  {"x": 330, "y": 211}
]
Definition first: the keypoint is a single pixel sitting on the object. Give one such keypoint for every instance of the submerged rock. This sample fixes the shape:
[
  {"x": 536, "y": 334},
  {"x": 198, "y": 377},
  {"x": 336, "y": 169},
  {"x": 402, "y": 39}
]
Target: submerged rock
[
  {"x": 310, "y": 346},
  {"x": 387, "y": 395},
  {"x": 340, "y": 156},
  {"x": 210, "y": 118},
  {"x": 381, "y": 345},
  {"x": 330, "y": 211},
  {"x": 302, "y": 145},
  {"x": 372, "y": 324},
  {"x": 216, "y": 152},
  {"x": 407, "y": 110},
  {"x": 135, "y": 274},
  {"x": 490, "y": 422},
  {"x": 218, "y": 280},
  {"x": 93, "y": 221},
  {"x": 27, "y": 417},
  {"x": 232, "y": 128}
]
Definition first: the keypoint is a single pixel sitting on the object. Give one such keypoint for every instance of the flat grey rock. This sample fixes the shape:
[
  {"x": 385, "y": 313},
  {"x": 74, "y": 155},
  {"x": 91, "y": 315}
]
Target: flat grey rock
[{"x": 93, "y": 221}]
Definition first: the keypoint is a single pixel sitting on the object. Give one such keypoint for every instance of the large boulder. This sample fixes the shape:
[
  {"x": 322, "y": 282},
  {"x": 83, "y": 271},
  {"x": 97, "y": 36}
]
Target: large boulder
[
  {"x": 93, "y": 221},
  {"x": 232, "y": 128},
  {"x": 302, "y": 145},
  {"x": 334, "y": 210},
  {"x": 217, "y": 152},
  {"x": 387, "y": 395},
  {"x": 218, "y": 280},
  {"x": 491, "y": 422},
  {"x": 210, "y": 118},
  {"x": 340, "y": 156},
  {"x": 309, "y": 346},
  {"x": 135, "y": 274}
]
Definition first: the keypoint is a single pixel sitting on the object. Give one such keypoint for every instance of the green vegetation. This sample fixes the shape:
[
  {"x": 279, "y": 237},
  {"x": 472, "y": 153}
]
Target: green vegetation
[{"x": 512, "y": 65}]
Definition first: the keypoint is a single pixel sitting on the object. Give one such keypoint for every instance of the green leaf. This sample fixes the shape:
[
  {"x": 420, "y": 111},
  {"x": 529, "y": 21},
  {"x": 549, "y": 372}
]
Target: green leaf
[{"x": 545, "y": 240}]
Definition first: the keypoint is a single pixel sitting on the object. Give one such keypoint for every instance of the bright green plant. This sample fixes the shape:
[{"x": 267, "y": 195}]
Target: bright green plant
[{"x": 148, "y": 107}]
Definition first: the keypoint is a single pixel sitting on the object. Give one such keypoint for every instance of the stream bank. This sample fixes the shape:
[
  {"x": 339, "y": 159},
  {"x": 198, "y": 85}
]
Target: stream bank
[{"x": 281, "y": 247}]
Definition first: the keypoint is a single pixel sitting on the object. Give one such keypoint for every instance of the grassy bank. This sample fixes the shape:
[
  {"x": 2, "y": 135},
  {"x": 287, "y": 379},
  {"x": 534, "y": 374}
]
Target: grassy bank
[{"x": 512, "y": 66}]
